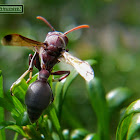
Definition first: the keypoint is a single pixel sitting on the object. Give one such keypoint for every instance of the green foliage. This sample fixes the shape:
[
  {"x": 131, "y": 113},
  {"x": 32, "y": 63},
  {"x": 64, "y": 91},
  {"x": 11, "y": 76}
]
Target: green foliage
[
  {"x": 94, "y": 108},
  {"x": 49, "y": 125},
  {"x": 2, "y": 132},
  {"x": 116, "y": 98},
  {"x": 99, "y": 104},
  {"x": 129, "y": 125}
]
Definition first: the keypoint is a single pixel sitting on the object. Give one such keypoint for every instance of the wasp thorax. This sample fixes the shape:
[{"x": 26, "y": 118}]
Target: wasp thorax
[{"x": 37, "y": 99}]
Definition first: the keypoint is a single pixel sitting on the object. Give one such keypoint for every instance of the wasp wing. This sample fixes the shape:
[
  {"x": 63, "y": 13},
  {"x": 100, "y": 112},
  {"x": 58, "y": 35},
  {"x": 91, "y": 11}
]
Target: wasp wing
[
  {"x": 19, "y": 40},
  {"x": 82, "y": 67}
]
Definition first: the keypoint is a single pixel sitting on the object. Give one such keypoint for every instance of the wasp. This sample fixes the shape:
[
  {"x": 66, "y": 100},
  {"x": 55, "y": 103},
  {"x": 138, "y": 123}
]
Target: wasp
[{"x": 46, "y": 54}]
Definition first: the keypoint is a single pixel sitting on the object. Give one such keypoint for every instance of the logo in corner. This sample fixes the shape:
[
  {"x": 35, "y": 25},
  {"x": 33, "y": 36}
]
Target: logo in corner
[{"x": 11, "y": 9}]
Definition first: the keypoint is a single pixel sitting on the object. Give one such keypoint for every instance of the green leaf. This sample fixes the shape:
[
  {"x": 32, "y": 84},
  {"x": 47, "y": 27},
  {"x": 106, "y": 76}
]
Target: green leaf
[
  {"x": 91, "y": 61},
  {"x": 12, "y": 104},
  {"x": 127, "y": 121},
  {"x": 19, "y": 90},
  {"x": 5, "y": 123},
  {"x": 60, "y": 91},
  {"x": 23, "y": 119},
  {"x": 8, "y": 106},
  {"x": 1, "y": 84},
  {"x": 55, "y": 120},
  {"x": 66, "y": 134},
  {"x": 98, "y": 101},
  {"x": 123, "y": 128},
  {"x": 32, "y": 132},
  {"x": 129, "y": 127},
  {"x": 70, "y": 117},
  {"x": 17, "y": 101},
  {"x": 68, "y": 81},
  {"x": 2, "y": 132},
  {"x": 116, "y": 97},
  {"x": 92, "y": 136},
  {"x": 58, "y": 98},
  {"x": 134, "y": 126},
  {"x": 55, "y": 136},
  {"x": 16, "y": 136},
  {"x": 17, "y": 129},
  {"x": 134, "y": 107},
  {"x": 19, "y": 107},
  {"x": 78, "y": 134},
  {"x": 45, "y": 127}
]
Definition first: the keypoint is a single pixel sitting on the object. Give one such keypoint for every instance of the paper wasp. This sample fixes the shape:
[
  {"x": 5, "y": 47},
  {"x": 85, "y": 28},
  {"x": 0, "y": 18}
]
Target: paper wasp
[{"x": 47, "y": 54}]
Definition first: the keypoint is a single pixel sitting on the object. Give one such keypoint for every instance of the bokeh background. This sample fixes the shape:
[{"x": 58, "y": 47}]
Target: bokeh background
[{"x": 113, "y": 40}]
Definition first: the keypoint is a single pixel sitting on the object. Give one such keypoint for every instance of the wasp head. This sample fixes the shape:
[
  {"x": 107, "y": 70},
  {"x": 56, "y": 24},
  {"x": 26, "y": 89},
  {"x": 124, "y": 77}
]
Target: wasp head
[{"x": 56, "y": 39}]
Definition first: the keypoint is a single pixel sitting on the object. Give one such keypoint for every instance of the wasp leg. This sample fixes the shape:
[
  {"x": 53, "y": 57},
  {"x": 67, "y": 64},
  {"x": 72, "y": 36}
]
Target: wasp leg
[
  {"x": 32, "y": 62},
  {"x": 60, "y": 73},
  {"x": 36, "y": 61},
  {"x": 30, "y": 69}
]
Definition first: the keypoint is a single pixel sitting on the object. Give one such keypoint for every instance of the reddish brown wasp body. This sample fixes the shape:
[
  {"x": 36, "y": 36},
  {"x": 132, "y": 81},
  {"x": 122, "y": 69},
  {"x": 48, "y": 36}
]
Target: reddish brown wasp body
[{"x": 47, "y": 54}]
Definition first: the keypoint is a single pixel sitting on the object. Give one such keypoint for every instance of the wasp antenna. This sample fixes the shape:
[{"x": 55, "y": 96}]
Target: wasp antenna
[
  {"x": 43, "y": 19},
  {"x": 76, "y": 28}
]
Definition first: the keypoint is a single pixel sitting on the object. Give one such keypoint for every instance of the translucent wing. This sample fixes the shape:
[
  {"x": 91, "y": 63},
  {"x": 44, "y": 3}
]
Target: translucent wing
[
  {"x": 82, "y": 67},
  {"x": 19, "y": 40}
]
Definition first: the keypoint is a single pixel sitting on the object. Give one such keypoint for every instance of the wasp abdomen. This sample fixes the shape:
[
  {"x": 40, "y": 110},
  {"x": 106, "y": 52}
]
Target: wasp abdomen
[{"x": 37, "y": 99}]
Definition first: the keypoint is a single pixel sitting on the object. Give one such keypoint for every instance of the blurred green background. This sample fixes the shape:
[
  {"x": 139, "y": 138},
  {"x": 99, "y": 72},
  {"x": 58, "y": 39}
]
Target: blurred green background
[{"x": 112, "y": 40}]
